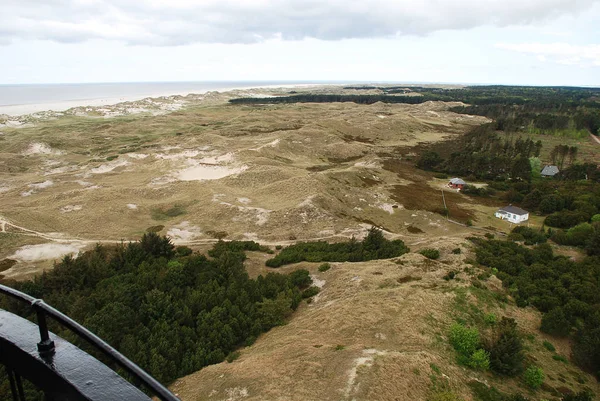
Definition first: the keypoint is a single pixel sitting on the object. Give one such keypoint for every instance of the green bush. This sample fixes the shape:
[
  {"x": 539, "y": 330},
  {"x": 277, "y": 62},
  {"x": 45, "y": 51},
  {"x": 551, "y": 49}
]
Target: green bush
[
  {"x": 183, "y": 251},
  {"x": 430, "y": 253},
  {"x": 534, "y": 377},
  {"x": 456, "y": 251},
  {"x": 548, "y": 345},
  {"x": 491, "y": 319},
  {"x": 464, "y": 340},
  {"x": 560, "y": 358},
  {"x": 530, "y": 235},
  {"x": 324, "y": 267},
  {"x": 310, "y": 292},
  {"x": 301, "y": 278},
  {"x": 516, "y": 237},
  {"x": 480, "y": 360}
]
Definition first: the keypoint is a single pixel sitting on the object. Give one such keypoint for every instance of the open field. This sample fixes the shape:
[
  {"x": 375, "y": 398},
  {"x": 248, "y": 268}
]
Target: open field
[{"x": 272, "y": 173}]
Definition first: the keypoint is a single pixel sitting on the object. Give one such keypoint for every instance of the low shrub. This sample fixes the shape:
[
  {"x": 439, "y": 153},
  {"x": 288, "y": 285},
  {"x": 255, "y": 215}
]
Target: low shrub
[
  {"x": 490, "y": 319},
  {"x": 233, "y": 356},
  {"x": 324, "y": 267},
  {"x": 560, "y": 358},
  {"x": 450, "y": 275},
  {"x": 548, "y": 345},
  {"x": 456, "y": 251},
  {"x": 516, "y": 237},
  {"x": 479, "y": 360},
  {"x": 466, "y": 343},
  {"x": 430, "y": 253},
  {"x": 310, "y": 292},
  {"x": 183, "y": 251},
  {"x": 534, "y": 377}
]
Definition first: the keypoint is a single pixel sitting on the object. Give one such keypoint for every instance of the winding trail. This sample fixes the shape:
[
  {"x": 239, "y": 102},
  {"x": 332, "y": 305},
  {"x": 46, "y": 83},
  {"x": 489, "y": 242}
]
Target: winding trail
[
  {"x": 4, "y": 224},
  {"x": 411, "y": 240},
  {"x": 595, "y": 138}
]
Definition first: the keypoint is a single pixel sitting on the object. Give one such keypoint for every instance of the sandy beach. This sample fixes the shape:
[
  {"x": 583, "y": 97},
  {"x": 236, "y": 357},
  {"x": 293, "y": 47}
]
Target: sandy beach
[{"x": 15, "y": 110}]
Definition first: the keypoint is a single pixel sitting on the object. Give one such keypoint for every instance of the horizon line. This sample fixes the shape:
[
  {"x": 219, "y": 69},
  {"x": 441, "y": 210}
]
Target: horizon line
[{"x": 304, "y": 81}]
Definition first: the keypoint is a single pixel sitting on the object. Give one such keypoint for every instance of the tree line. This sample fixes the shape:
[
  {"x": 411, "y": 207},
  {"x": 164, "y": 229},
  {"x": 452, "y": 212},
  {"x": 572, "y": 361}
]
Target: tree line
[
  {"x": 481, "y": 153},
  {"x": 373, "y": 246},
  {"x": 552, "y": 110}
]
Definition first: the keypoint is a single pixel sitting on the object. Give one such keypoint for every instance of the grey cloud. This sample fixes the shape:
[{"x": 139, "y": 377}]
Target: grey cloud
[{"x": 178, "y": 22}]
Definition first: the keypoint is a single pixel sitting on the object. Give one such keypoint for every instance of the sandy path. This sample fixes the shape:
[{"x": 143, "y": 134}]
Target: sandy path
[
  {"x": 595, "y": 138},
  {"x": 25, "y": 231}
]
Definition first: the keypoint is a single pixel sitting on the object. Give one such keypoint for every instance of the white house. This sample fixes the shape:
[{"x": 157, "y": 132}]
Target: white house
[{"x": 513, "y": 214}]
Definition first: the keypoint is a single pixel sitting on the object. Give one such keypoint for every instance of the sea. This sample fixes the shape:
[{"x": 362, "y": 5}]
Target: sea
[{"x": 31, "y": 98}]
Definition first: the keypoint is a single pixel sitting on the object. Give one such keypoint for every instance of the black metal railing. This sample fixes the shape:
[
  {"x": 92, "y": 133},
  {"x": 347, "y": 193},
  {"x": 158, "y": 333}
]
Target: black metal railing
[{"x": 46, "y": 345}]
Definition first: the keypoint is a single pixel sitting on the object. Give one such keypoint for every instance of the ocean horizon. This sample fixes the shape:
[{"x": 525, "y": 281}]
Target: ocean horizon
[{"x": 19, "y": 99}]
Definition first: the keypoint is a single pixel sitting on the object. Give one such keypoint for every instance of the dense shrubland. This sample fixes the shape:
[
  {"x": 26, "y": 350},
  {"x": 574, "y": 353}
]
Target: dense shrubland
[
  {"x": 565, "y": 291},
  {"x": 170, "y": 314},
  {"x": 373, "y": 246}
]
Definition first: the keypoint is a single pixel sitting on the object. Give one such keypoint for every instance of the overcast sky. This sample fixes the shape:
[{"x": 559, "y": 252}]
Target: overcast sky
[{"x": 537, "y": 42}]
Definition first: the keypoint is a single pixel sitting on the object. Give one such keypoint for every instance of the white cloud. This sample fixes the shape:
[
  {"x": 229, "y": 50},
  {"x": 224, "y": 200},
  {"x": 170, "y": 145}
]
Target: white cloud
[
  {"x": 180, "y": 22},
  {"x": 561, "y": 53}
]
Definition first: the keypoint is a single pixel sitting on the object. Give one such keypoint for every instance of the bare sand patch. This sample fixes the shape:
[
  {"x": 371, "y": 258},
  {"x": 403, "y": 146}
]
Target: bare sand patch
[
  {"x": 137, "y": 156},
  {"x": 208, "y": 172},
  {"x": 35, "y": 187},
  {"x": 108, "y": 167},
  {"x": 61, "y": 170},
  {"x": 271, "y": 144},
  {"x": 40, "y": 148},
  {"x": 132, "y": 206},
  {"x": 70, "y": 208},
  {"x": 41, "y": 185},
  {"x": 34, "y": 253},
  {"x": 184, "y": 232}
]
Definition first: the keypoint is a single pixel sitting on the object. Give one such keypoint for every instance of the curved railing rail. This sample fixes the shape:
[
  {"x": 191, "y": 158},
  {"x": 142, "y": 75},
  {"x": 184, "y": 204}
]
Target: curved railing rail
[{"x": 46, "y": 345}]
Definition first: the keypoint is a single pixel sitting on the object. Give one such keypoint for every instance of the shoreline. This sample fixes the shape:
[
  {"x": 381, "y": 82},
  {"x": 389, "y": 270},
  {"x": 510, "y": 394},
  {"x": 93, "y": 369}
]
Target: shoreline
[{"x": 22, "y": 110}]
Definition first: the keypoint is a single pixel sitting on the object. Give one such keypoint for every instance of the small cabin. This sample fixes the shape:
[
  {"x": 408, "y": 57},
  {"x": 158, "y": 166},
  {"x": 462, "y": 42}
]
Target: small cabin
[
  {"x": 549, "y": 171},
  {"x": 457, "y": 183},
  {"x": 513, "y": 214}
]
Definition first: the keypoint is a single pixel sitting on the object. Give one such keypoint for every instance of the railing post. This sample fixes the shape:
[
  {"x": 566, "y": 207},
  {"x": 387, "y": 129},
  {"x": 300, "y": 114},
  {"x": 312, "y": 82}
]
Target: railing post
[
  {"x": 46, "y": 345},
  {"x": 13, "y": 385},
  {"x": 20, "y": 387}
]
